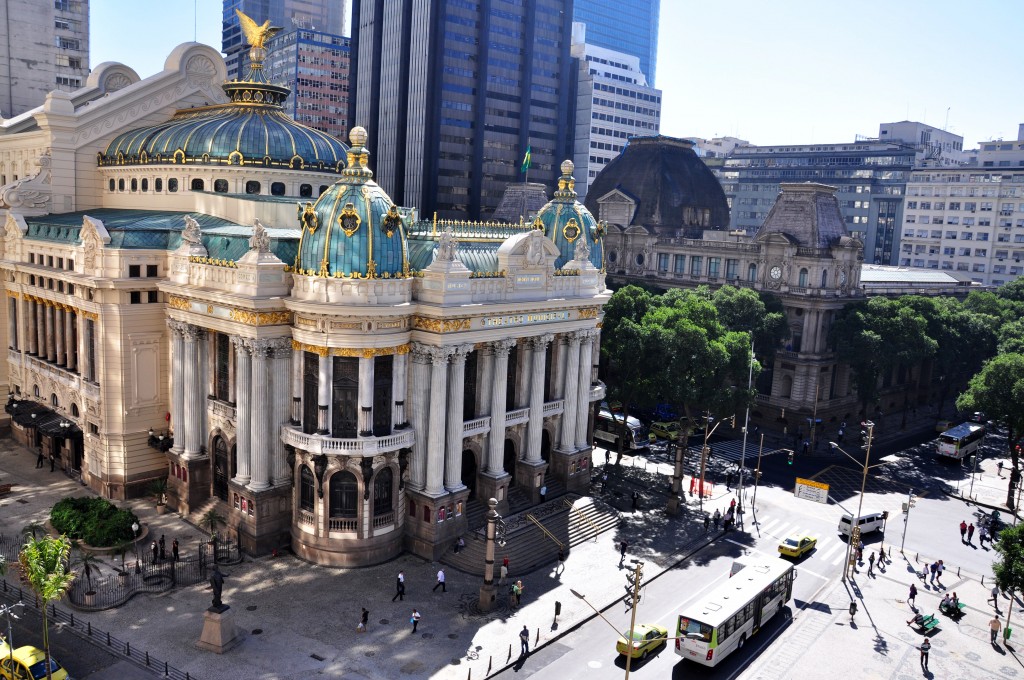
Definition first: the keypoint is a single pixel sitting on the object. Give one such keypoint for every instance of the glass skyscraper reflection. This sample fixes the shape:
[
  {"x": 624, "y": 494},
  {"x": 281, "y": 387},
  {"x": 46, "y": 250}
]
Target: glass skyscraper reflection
[
  {"x": 629, "y": 26},
  {"x": 454, "y": 91}
]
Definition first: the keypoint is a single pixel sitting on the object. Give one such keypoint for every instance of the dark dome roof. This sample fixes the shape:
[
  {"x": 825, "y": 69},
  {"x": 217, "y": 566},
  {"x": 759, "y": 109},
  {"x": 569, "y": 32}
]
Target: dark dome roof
[{"x": 670, "y": 183}]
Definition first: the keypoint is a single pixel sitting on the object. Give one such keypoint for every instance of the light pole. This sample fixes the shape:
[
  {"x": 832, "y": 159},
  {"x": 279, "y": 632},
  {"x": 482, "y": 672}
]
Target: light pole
[
  {"x": 7, "y": 611},
  {"x": 495, "y": 530},
  {"x": 682, "y": 439},
  {"x": 708, "y": 431},
  {"x": 746, "y": 425},
  {"x": 757, "y": 475},
  {"x": 869, "y": 431},
  {"x": 135, "y": 544},
  {"x": 634, "y": 591}
]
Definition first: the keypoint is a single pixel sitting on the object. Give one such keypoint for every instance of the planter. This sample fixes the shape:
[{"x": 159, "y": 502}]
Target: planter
[{"x": 161, "y": 508}]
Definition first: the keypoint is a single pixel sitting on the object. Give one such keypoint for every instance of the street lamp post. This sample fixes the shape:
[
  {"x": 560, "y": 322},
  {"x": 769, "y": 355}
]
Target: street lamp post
[
  {"x": 757, "y": 475},
  {"x": 634, "y": 591},
  {"x": 682, "y": 438},
  {"x": 855, "y": 531},
  {"x": 746, "y": 426},
  {"x": 7, "y": 610},
  {"x": 135, "y": 544},
  {"x": 708, "y": 431},
  {"x": 495, "y": 530}
]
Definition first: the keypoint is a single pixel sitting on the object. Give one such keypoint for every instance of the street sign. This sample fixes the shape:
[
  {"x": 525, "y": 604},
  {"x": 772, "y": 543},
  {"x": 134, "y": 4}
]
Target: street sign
[{"x": 810, "y": 490}]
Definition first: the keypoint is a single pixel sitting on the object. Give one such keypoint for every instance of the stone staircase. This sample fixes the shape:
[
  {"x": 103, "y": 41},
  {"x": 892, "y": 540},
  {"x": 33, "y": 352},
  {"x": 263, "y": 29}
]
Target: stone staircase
[
  {"x": 518, "y": 501},
  {"x": 527, "y": 547},
  {"x": 195, "y": 518}
]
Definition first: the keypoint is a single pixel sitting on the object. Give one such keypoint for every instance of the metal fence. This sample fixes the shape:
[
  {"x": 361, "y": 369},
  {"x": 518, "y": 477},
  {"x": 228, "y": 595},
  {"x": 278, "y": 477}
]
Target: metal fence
[{"x": 114, "y": 589}]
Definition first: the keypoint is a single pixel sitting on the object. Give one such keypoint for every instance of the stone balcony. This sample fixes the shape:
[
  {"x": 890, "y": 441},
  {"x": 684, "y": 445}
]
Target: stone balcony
[{"x": 359, "y": 446}]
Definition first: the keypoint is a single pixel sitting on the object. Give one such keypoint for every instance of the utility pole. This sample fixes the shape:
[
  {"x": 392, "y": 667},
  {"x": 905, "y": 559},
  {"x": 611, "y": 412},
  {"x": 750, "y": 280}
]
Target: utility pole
[
  {"x": 746, "y": 426},
  {"x": 757, "y": 474},
  {"x": 682, "y": 439},
  {"x": 634, "y": 591},
  {"x": 708, "y": 431},
  {"x": 906, "y": 520}
]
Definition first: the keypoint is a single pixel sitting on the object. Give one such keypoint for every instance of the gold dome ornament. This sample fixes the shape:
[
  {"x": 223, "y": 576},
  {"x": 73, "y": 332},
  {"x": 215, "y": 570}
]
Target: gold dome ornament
[
  {"x": 349, "y": 220},
  {"x": 357, "y": 136},
  {"x": 307, "y": 217},
  {"x": 571, "y": 230}
]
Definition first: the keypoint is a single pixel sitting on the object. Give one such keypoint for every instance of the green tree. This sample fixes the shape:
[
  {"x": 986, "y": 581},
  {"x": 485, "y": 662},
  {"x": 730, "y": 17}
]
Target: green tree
[
  {"x": 761, "y": 315},
  {"x": 1009, "y": 568},
  {"x": 998, "y": 390},
  {"x": 1011, "y": 337},
  {"x": 211, "y": 521},
  {"x": 44, "y": 565}
]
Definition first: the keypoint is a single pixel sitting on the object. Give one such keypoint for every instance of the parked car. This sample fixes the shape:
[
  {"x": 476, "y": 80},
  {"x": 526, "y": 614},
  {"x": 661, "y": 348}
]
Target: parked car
[{"x": 978, "y": 417}]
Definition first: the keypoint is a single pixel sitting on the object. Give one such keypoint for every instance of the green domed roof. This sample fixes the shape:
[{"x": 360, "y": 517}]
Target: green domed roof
[
  {"x": 252, "y": 129},
  {"x": 564, "y": 220},
  {"x": 354, "y": 229}
]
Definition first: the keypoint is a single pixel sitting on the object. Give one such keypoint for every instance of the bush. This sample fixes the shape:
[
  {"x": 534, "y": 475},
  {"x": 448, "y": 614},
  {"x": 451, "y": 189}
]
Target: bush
[{"x": 94, "y": 520}]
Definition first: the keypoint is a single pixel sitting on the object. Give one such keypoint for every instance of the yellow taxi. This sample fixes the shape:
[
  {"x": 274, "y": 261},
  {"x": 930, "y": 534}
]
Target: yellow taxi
[
  {"x": 797, "y": 545},
  {"x": 27, "y": 663},
  {"x": 646, "y": 638},
  {"x": 665, "y": 429}
]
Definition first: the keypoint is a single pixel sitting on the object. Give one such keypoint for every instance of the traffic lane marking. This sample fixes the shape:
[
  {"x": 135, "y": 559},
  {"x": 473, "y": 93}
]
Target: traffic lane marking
[{"x": 803, "y": 570}]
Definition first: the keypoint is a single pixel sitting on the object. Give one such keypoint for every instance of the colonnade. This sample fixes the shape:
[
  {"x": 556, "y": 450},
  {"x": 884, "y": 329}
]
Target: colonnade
[{"x": 54, "y": 332}]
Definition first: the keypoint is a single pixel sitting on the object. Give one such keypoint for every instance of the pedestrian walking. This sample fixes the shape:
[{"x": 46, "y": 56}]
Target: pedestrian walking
[
  {"x": 399, "y": 587},
  {"x": 993, "y": 628},
  {"x": 607, "y": 456},
  {"x": 732, "y": 506},
  {"x": 163, "y": 546},
  {"x": 414, "y": 620},
  {"x": 440, "y": 581},
  {"x": 982, "y": 535},
  {"x": 504, "y": 575},
  {"x": 561, "y": 559},
  {"x": 807, "y": 447},
  {"x": 604, "y": 481},
  {"x": 524, "y": 641},
  {"x": 999, "y": 466},
  {"x": 40, "y": 460},
  {"x": 933, "y": 568},
  {"x": 970, "y": 533},
  {"x": 871, "y": 564},
  {"x": 717, "y": 517},
  {"x": 53, "y": 461},
  {"x": 512, "y": 596},
  {"x": 912, "y": 598},
  {"x": 707, "y": 522},
  {"x": 926, "y": 646},
  {"x": 938, "y": 573},
  {"x": 363, "y": 620},
  {"x": 519, "y": 593},
  {"x": 995, "y": 598},
  {"x": 156, "y": 551},
  {"x": 728, "y": 481},
  {"x": 504, "y": 562},
  {"x": 963, "y": 531},
  {"x": 622, "y": 551},
  {"x": 174, "y": 549},
  {"x": 839, "y": 436}
]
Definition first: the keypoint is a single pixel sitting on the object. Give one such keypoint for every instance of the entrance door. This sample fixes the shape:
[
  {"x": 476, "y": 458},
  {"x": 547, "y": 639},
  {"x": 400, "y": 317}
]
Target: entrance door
[
  {"x": 77, "y": 453},
  {"x": 469, "y": 472},
  {"x": 509, "y": 462},
  {"x": 545, "y": 446},
  {"x": 220, "y": 469}
]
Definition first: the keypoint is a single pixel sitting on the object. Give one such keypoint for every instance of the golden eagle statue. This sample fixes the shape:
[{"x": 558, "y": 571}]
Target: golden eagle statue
[{"x": 256, "y": 35}]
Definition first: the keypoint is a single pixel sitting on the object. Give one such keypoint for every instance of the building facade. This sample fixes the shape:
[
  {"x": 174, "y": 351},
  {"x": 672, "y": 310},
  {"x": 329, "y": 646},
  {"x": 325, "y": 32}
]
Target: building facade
[
  {"x": 627, "y": 26},
  {"x": 315, "y": 65},
  {"x": 870, "y": 177},
  {"x": 230, "y": 301},
  {"x": 613, "y": 103},
  {"x": 46, "y": 47},
  {"x": 969, "y": 219},
  {"x": 459, "y": 91}
]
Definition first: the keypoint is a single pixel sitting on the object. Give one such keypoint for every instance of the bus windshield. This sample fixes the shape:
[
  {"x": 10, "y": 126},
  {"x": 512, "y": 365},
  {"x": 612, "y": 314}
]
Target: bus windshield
[{"x": 695, "y": 630}]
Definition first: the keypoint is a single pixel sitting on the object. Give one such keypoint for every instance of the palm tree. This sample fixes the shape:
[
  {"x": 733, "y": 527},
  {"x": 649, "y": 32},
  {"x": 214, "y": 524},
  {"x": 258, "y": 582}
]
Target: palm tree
[
  {"x": 120, "y": 550},
  {"x": 34, "y": 529},
  {"x": 44, "y": 564},
  {"x": 89, "y": 564},
  {"x": 211, "y": 521}
]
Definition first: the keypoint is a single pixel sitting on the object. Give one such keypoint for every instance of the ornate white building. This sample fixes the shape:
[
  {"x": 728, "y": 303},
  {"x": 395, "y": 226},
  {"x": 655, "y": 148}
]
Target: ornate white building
[{"x": 332, "y": 376}]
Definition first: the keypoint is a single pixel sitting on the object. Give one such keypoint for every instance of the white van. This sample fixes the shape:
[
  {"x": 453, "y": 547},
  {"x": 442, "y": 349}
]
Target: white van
[{"x": 870, "y": 522}]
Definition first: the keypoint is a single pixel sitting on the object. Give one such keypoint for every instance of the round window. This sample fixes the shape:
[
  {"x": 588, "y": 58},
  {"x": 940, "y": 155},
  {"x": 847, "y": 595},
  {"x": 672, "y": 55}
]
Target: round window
[
  {"x": 612, "y": 256},
  {"x": 640, "y": 259}
]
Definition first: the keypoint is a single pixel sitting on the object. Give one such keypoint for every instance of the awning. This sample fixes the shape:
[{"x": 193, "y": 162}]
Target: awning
[
  {"x": 22, "y": 412},
  {"x": 45, "y": 420}
]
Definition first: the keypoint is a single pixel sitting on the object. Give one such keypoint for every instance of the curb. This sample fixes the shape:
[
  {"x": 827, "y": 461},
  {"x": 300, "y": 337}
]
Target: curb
[{"x": 982, "y": 504}]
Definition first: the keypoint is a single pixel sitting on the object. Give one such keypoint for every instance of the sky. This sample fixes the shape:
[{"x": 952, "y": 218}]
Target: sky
[{"x": 775, "y": 72}]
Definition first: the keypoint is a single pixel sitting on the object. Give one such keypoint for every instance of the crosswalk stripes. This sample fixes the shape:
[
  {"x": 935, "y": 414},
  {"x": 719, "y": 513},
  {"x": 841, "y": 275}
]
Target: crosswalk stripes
[{"x": 829, "y": 549}]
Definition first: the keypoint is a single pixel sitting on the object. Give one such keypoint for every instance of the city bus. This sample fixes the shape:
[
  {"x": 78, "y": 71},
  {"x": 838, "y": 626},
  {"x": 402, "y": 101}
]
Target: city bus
[
  {"x": 608, "y": 428},
  {"x": 961, "y": 441},
  {"x": 721, "y": 621}
]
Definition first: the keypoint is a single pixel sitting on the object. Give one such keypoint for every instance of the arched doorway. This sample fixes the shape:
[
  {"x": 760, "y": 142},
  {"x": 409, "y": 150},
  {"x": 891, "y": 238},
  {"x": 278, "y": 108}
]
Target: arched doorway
[
  {"x": 509, "y": 462},
  {"x": 469, "y": 472},
  {"x": 220, "y": 468},
  {"x": 545, "y": 446}
]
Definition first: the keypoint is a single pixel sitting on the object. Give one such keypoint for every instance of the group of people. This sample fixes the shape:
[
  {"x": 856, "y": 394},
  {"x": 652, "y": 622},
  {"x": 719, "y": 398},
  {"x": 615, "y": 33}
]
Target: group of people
[{"x": 159, "y": 549}]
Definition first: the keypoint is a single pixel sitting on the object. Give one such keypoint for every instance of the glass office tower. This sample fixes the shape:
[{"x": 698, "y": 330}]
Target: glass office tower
[
  {"x": 629, "y": 26},
  {"x": 453, "y": 92}
]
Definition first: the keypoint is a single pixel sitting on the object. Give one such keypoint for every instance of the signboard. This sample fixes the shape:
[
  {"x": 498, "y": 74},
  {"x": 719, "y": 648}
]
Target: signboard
[{"x": 810, "y": 490}]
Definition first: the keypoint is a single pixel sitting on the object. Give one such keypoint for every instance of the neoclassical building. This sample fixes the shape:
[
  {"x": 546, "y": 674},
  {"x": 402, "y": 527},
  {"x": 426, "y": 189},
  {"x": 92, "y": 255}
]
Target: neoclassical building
[
  {"x": 200, "y": 288},
  {"x": 667, "y": 225}
]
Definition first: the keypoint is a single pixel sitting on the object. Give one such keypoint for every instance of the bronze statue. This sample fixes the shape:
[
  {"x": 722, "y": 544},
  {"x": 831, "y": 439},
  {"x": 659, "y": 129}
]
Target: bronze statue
[{"x": 217, "y": 582}]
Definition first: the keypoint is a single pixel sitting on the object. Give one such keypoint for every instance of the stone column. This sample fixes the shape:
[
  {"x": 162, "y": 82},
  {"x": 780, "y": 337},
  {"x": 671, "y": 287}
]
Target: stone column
[
  {"x": 260, "y": 426},
  {"x": 583, "y": 389},
  {"x": 572, "y": 386},
  {"x": 70, "y": 342},
  {"x": 483, "y": 393},
  {"x": 32, "y": 328},
  {"x": 297, "y": 368},
  {"x": 243, "y": 410},
  {"x": 399, "y": 380},
  {"x": 88, "y": 370},
  {"x": 595, "y": 355},
  {"x": 41, "y": 330},
  {"x": 177, "y": 329},
  {"x": 58, "y": 336},
  {"x": 499, "y": 385},
  {"x": 51, "y": 344},
  {"x": 323, "y": 413},
  {"x": 418, "y": 397},
  {"x": 558, "y": 390},
  {"x": 456, "y": 388},
  {"x": 280, "y": 383},
  {"x": 535, "y": 426},
  {"x": 12, "y": 323},
  {"x": 436, "y": 427},
  {"x": 365, "y": 386},
  {"x": 194, "y": 388}
]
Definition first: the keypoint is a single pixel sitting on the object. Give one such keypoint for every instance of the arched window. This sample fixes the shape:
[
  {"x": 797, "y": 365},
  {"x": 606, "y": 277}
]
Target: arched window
[
  {"x": 306, "y": 190},
  {"x": 252, "y": 187},
  {"x": 344, "y": 495},
  {"x": 752, "y": 272},
  {"x": 145, "y": 185},
  {"x": 172, "y": 185},
  {"x": 323, "y": 188},
  {"x": 135, "y": 184},
  {"x": 35, "y": 390},
  {"x": 120, "y": 184},
  {"x": 803, "y": 278},
  {"x": 382, "y": 492},
  {"x": 824, "y": 278},
  {"x": 277, "y": 189},
  {"x": 74, "y": 410},
  {"x": 54, "y": 401},
  {"x": 197, "y": 185},
  {"x": 220, "y": 186},
  {"x": 112, "y": 184},
  {"x": 306, "y": 490},
  {"x": 158, "y": 184}
]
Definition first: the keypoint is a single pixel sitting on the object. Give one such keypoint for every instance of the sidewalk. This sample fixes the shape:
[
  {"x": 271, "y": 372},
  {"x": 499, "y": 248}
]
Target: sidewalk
[{"x": 300, "y": 619}]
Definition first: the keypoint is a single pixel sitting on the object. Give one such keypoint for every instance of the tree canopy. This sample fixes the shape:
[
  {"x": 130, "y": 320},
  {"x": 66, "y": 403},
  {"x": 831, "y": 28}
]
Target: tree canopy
[{"x": 44, "y": 565}]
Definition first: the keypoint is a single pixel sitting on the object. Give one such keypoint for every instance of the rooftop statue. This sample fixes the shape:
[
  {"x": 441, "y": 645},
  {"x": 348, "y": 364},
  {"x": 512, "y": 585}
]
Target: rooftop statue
[{"x": 257, "y": 35}]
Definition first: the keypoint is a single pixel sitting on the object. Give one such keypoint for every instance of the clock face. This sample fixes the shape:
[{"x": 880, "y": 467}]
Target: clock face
[{"x": 776, "y": 272}]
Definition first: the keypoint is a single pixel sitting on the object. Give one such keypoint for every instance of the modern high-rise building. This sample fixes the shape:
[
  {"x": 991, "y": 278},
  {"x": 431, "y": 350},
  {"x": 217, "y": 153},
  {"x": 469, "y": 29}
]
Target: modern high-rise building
[
  {"x": 870, "y": 176},
  {"x": 315, "y": 65},
  {"x": 325, "y": 16},
  {"x": 45, "y": 47},
  {"x": 629, "y": 26},
  {"x": 455, "y": 92},
  {"x": 613, "y": 103}
]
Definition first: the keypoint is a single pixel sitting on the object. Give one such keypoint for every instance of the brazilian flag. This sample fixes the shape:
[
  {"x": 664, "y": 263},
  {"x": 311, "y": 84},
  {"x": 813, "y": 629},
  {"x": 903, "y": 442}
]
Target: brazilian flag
[{"x": 526, "y": 161}]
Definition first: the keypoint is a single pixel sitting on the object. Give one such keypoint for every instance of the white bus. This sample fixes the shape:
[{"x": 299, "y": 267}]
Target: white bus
[
  {"x": 608, "y": 428},
  {"x": 721, "y": 621},
  {"x": 961, "y": 441}
]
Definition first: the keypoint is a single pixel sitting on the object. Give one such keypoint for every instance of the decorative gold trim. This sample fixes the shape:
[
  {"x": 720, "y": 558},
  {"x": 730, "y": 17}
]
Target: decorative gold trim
[
  {"x": 315, "y": 349},
  {"x": 573, "y": 227},
  {"x": 251, "y": 318},
  {"x": 175, "y": 302},
  {"x": 13, "y": 294},
  {"x": 588, "y": 312},
  {"x": 369, "y": 352},
  {"x": 92, "y": 316},
  {"x": 349, "y": 220},
  {"x": 440, "y": 325}
]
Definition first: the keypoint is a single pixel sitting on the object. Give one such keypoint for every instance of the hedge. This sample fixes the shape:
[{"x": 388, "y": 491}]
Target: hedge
[{"x": 94, "y": 520}]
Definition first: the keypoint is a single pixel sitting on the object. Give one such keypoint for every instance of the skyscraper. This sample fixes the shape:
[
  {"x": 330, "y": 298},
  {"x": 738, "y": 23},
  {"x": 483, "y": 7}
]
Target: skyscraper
[
  {"x": 326, "y": 16},
  {"x": 46, "y": 47},
  {"x": 315, "y": 65},
  {"x": 454, "y": 92},
  {"x": 629, "y": 26}
]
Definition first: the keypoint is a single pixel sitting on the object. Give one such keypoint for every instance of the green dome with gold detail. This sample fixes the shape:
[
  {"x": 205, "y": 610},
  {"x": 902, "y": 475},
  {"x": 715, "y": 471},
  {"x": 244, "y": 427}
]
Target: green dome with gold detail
[
  {"x": 566, "y": 221},
  {"x": 354, "y": 230}
]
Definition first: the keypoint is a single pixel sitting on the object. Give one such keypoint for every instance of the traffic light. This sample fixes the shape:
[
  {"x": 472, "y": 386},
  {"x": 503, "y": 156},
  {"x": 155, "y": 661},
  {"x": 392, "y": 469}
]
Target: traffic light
[
  {"x": 789, "y": 460},
  {"x": 733, "y": 422}
]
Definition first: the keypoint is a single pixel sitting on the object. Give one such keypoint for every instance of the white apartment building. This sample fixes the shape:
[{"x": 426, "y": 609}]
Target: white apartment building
[
  {"x": 44, "y": 47},
  {"x": 970, "y": 218},
  {"x": 613, "y": 103},
  {"x": 716, "y": 147}
]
